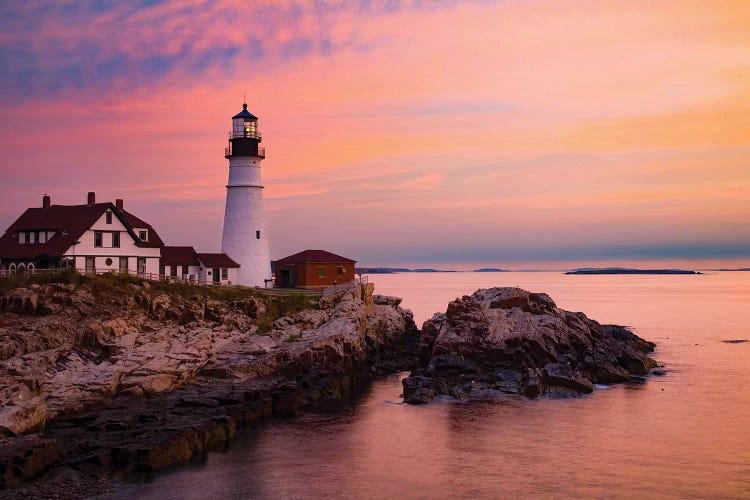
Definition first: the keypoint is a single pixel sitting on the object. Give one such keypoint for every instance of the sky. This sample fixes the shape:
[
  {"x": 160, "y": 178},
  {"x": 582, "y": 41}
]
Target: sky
[{"x": 516, "y": 133}]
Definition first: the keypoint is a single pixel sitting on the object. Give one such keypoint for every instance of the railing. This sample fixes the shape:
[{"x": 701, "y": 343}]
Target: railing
[
  {"x": 241, "y": 134},
  {"x": 228, "y": 151},
  {"x": 143, "y": 275}
]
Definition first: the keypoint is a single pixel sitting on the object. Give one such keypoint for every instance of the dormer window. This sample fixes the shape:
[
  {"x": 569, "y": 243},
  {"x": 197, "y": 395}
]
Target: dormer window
[
  {"x": 143, "y": 234},
  {"x": 108, "y": 217}
]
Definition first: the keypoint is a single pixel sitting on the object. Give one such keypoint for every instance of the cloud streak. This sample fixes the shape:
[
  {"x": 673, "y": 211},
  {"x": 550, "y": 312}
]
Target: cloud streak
[{"x": 485, "y": 128}]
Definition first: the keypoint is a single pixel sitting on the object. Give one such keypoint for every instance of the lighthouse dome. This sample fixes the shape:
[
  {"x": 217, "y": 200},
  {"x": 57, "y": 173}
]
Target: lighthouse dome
[{"x": 245, "y": 114}]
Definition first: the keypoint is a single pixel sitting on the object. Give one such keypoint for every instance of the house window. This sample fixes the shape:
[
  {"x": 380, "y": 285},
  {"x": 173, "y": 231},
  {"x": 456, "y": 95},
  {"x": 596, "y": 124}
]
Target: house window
[
  {"x": 36, "y": 237},
  {"x": 116, "y": 240},
  {"x": 123, "y": 264},
  {"x": 224, "y": 273},
  {"x": 12, "y": 268},
  {"x": 185, "y": 270},
  {"x": 257, "y": 235},
  {"x": 42, "y": 238},
  {"x": 30, "y": 237},
  {"x": 108, "y": 217},
  {"x": 21, "y": 268},
  {"x": 143, "y": 234},
  {"x": 321, "y": 271},
  {"x": 98, "y": 238},
  {"x": 173, "y": 271},
  {"x": 108, "y": 261},
  {"x": 141, "y": 265},
  {"x": 30, "y": 267},
  {"x": 21, "y": 238},
  {"x": 340, "y": 270},
  {"x": 90, "y": 265},
  {"x": 162, "y": 270}
]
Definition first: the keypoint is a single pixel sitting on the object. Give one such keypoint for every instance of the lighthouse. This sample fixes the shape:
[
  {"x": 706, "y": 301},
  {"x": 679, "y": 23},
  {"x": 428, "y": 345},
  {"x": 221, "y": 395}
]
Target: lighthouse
[{"x": 245, "y": 238}]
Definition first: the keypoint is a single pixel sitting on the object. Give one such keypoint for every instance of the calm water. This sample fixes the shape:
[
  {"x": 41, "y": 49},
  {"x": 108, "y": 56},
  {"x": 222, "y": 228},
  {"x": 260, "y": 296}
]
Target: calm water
[{"x": 683, "y": 435}]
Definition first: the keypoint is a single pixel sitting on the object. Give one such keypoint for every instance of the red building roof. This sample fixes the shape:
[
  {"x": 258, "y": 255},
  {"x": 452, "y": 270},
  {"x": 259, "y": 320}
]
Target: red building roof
[
  {"x": 69, "y": 222},
  {"x": 178, "y": 256},
  {"x": 314, "y": 257},
  {"x": 216, "y": 260}
]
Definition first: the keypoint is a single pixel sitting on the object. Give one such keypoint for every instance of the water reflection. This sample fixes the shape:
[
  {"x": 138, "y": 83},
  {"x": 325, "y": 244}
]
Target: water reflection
[{"x": 683, "y": 435}]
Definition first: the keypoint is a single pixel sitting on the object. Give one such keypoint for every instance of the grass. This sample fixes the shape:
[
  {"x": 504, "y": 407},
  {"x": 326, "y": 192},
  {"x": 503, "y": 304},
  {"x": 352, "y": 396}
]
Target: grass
[
  {"x": 64, "y": 276},
  {"x": 278, "y": 303}
]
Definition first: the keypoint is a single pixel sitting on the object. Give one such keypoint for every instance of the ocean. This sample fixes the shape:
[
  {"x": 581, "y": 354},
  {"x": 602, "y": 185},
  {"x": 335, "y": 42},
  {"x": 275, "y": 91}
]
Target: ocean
[{"x": 683, "y": 435}]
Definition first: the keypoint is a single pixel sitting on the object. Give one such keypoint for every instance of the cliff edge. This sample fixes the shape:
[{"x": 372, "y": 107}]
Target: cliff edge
[{"x": 109, "y": 374}]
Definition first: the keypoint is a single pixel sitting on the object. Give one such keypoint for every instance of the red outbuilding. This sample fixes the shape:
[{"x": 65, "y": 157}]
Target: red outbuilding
[{"x": 313, "y": 269}]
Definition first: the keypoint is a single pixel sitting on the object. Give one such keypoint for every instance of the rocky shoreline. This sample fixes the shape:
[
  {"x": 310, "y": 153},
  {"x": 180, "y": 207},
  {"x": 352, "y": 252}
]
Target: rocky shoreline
[
  {"x": 133, "y": 379},
  {"x": 508, "y": 340},
  {"x": 109, "y": 377}
]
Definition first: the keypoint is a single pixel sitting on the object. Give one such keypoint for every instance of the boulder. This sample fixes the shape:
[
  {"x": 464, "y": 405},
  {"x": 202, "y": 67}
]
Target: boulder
[{"x": 515, "y": 341}]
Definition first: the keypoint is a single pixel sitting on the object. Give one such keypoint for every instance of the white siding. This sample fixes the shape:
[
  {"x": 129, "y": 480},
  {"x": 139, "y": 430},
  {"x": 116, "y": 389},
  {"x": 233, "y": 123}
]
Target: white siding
[{"x": 128, "y": 248}]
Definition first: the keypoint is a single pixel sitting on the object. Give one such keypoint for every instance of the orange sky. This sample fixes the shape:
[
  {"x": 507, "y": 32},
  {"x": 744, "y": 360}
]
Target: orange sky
[{"x": 468, "y": 132}]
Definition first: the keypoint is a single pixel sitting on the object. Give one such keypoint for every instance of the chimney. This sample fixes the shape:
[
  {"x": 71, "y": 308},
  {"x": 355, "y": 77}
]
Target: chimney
[
  {"x": 92, "y": 198},
  {"x": 45, "y": 201},
  {"x": 119, "y": 204}
]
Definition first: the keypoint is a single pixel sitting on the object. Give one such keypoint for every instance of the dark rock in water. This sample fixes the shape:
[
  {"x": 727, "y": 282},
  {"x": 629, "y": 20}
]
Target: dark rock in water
[
  {"x": 659, "y": 372},
  {"x": 735, "y": 341},
  {"x": 514, "y": 341},
  {"x": 418, "y": 389},
  {"x": 562, "y": 375}
]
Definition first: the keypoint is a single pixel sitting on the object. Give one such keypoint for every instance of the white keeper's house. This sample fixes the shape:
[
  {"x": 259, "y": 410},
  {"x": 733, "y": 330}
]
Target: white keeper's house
[
  {"x": 104, "y": 237},
  {"x": 94, "y": 237}
]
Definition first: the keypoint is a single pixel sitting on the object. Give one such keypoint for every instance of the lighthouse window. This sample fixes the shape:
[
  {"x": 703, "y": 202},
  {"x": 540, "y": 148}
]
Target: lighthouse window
[{"x": 257, "y": 235}]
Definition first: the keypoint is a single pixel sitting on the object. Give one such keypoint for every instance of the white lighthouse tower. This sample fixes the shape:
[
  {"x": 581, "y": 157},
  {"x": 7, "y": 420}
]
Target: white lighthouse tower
[{"x": 245, "y": 238}]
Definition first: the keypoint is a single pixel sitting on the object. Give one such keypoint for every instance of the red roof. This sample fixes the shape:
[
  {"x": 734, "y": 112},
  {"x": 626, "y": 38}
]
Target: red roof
[
  {"x": 216, "y": 260},
  {"x": 314, "y": 256},
  {"x": 154, "y": 241},
  {"x": 69, "y": 222},
  {"x": 178, "y": 256}
]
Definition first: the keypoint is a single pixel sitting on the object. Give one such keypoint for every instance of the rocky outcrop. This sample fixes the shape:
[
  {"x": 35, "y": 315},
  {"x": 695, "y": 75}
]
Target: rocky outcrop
[
  {"x": 136, "y": 376},
  {"x": 513, "y": 341}
]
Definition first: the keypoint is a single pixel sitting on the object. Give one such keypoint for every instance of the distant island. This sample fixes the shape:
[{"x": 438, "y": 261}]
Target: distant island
[
  {"x": 740, "y": 269},
  {"x": 624, "y": 270},
  {"x": 491, "y": 270}
]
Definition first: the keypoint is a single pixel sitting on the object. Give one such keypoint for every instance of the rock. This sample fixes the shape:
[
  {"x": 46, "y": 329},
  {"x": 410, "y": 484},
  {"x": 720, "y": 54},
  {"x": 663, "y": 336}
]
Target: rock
[
  {"x": 138, "y": 377},
  {"x": 418, "y": 389},
  {"x": 156, "y": 383},
  {"x": 22, "y": 417},
  {"x": 25, "y": 458},
  {"x": 514, "y": 341},
  {"x": 386, "y": 300},
  {"x": 561, "y": 375}
]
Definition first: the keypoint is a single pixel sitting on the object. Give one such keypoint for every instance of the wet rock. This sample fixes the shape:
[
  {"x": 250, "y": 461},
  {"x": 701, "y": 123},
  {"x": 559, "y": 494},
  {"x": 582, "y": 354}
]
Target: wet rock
[
  {"x": 418, "y": 389},
  {"x": 562, "y": 375}
]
